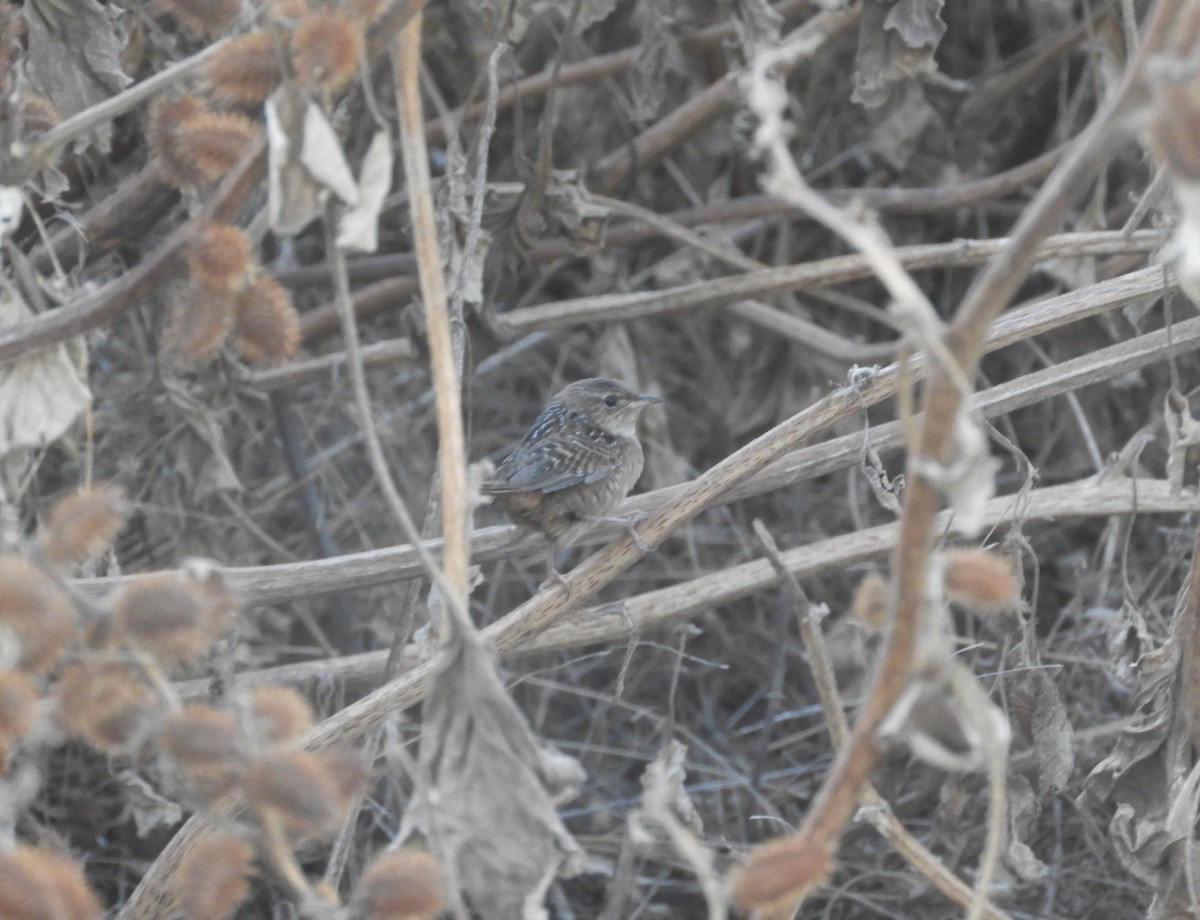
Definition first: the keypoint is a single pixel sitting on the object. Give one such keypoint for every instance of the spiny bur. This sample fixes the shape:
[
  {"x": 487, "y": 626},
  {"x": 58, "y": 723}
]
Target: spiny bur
[
  {"x": 105, "y": 703},
  {"x": 203, "y": 146},
  {"x": 404, "y": 885},
  {"x": 300, "y": 788},
  {"x": 221, "y": 257},
  {"x": 171, "y": 616},
  {"x": 981, "y": 580},
  {"x": 870, "y": 604},
  {"x": 205, "y": 17},
  {"x": 280, "y": 714},
  {"x": 36, "y": 613},
  {"x": 214, "y": 877},
  {"x": 326, "y": 48},
  {"x": 18, "y": 702},
  {"x": 266, "y": 325},
  {"x": 83, "y": 523},
  {"x": 778, "y": 875},
  {"x": 200, "y": 322},
  {"x": 206, "y": 745},
  {"x": 245, "y": 70},
  {"x": 39, "y": 884},
  {"x": 166, "y": 118}
]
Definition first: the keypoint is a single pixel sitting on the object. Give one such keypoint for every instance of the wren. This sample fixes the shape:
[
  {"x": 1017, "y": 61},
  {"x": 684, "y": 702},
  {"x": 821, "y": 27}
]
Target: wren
[{"x": 580, "y": 458}]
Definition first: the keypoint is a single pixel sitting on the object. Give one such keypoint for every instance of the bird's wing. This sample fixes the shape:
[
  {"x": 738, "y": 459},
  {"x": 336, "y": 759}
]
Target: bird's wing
[{"x": 551, "y": 464}]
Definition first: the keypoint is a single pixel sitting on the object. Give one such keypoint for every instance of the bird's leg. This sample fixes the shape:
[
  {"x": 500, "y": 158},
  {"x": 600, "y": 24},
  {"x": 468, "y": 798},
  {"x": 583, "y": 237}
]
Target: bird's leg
[
  {"x": 630, "y": 525},
  {"x": 552, "y": 572}
]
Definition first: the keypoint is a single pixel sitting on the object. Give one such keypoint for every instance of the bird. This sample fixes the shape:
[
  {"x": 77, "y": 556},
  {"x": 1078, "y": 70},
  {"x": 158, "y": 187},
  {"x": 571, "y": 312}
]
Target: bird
[{"x": 578, "y": 460}]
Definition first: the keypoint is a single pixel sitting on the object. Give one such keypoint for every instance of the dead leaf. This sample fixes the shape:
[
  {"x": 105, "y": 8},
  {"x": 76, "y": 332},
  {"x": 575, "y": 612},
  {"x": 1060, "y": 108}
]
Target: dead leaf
[
  {"x": 571, "y": 207},
  {"x": 358, "y": 230},
  {"x": 323, "y": 157},
  {"x": 491, "y": 817},
  {"x": 659, "y": 59},
  {"x": 304, "y": 161},
  {"x": 74, "y": 58},
  {"x": 524, "y": 12},
  {"x": 897, "y": 139},
  {"x": 141, "y": 802},
  {"x": 1183, "y": 432},
  {"x": 42, "y": 392},
  {"x": 666, "y": 805},
  {"x": 896, "y": 42},
  {"x": 12, "y": 203}
]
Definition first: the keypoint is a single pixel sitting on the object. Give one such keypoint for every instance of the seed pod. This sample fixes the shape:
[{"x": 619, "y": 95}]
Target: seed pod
[
  {"x": 81, "y": 524},
  {"x": 37, "y": 614},
  {"x": 39, "y": 884},
  {"x": 221, "y": 257},
  {"x": 245, "y": 70},
  {"x": 326, "y": 48},
  {"x": 171, "y": 616},
  {"x": 280, "y": 714},
  {"x": 214, "y": 877},
  {"x": 266, "y": 325},
  {"x": 404, "y": 885},
  {"x": 207, "y": 746},
  {"x": 106, "y": 704}
]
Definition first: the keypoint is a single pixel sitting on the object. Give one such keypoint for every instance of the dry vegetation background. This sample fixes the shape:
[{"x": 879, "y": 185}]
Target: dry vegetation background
[{"x": 782, "y": 219}]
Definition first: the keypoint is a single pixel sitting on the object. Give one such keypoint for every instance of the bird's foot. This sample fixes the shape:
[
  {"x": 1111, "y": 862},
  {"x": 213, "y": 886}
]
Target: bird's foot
[{"x": 630, "y": 524}]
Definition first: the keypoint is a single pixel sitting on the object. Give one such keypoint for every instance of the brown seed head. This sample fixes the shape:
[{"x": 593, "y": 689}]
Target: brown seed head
[
  {"x": 170, "y": 615},
  {"x": 18, "y": 702},
  {"x": 207, "y": 746},
  {"x": 404, "y": 885},
  {"x": 221, "y": 257},
  {"x": 37, "y": 614},
  {"x": 870, "y": 604},
  {"x": 326, "y": 48},
  {"x": 214, "y": 877},
  {"x": 981, "y": 580},
  {"x": 105, "y": 703},
  {"x": 280, "y": 714},
  {"x": 166, "y": 118},
  {"x": 199, "y": 323},
  {"x": 299, "y": 788},
  {"x": 778, "y": 875},
  {"x": 208, "y": 145},
  {"x": 266, "y": 325},
  {"x": 245, "y": 71},
  {"x": 39, "y": 884},
  {"x": 81, "y": 524}
]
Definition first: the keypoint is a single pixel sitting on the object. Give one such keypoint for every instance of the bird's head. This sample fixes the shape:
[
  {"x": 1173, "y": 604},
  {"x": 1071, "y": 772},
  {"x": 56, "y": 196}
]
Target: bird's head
[{"x": 608, "y": 403}]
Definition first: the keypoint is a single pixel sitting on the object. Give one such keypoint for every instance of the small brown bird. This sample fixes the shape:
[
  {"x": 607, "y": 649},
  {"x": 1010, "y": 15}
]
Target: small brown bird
[{"x": 580, "y": 458}]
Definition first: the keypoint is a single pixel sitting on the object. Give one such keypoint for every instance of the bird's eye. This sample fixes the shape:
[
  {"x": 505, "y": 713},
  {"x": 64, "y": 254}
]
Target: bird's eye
[{"x": 610, "y": 401}]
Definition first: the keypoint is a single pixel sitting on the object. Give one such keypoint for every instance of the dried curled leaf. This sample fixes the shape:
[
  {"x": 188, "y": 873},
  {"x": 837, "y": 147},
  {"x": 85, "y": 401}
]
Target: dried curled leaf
[
  {"x": 43, "y": 391},
  {"x": 896, "y": 42},
  {"x": 74, "y": 58}
]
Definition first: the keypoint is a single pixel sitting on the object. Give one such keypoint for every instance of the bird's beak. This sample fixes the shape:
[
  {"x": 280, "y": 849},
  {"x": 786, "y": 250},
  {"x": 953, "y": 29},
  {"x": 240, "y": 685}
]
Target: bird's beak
[{"x": 648, "y": 398}]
